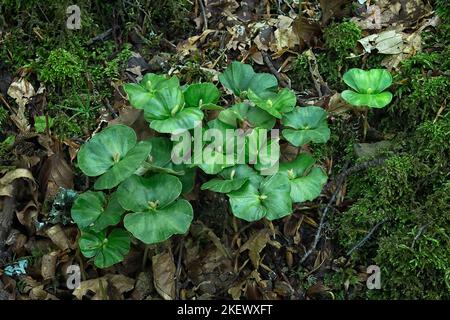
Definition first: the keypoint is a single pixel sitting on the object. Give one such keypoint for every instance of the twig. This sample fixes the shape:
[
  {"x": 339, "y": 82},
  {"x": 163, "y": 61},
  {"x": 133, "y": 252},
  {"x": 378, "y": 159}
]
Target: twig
[
  {"x": 340, "y": 180},
  {"x": 272, "y": 69},
  {"x": 100, "y": 37},
  {"x": 419, "y": 233},
  {"x": 178, "y": 273},
  {"x": 324, "y": 214},
  {"x": 367, "y": 237},
  {"x": 205, "y": 18}
]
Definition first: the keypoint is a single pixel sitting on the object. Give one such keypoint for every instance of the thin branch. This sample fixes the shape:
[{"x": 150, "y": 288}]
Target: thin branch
[
  {"x": 205, "y": 18},
  {"x": 273, "y": 70},
  {"x": 367, "y": 237},
  {"x": 324, "y": 214},
  {"x": 340, "y": 180}
]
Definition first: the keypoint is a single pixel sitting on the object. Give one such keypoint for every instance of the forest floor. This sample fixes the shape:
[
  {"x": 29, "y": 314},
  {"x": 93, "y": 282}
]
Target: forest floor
[{"x": 387, "y": 199}]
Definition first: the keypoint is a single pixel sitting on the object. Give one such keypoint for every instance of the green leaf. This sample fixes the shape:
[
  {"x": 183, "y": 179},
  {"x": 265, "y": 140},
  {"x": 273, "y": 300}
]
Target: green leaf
[
  {"x": 308, "y": 187},
  {"x": 160, "y": 224},
  {"x": 306, "y": 184},
  {"x": 137, "y": 95},
  {"x": 274, "y": 103},
  {"x": 199, "y": 94},
  {"x": 371, "y": 81},
  {"x": 105, "y": 148},
  {"x": 239, "y": 77},
  {"x": 374, "y": 100},
  {"x": 270, "y": 199},
  {"x": 297, "y": 167},
  {"x": 140, "y": 94},
  {"x": 186, "y": 119},
  {"x": 125, "y": 167},
  {"x": 212, "y": 159},
  {"x": 233, "y": 178},
  {"x": 240, "y": 112},
  {"x": 106, "y": 250},
  {"x": 164, "y": 104},
  {"x": 160, "y": 189},
  {"x": 92, "y": 210},
  {"x": 157, "y": 214},
  {"x": 113, "y": 153},
  {"x": 40, "y": 123},
  {"x": 369, "y": 86},
  {"x": 309, "y": 124},
  {"x": 154, "y": 82}
]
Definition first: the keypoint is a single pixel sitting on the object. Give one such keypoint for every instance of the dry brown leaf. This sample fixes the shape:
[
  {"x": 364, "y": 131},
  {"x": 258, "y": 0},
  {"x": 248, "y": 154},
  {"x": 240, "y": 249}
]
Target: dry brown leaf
[
  {"x": 55, "y": 173},
  {"x": 308, "y": 32},
  {"x": 255, "y": 245},
  {"x": 28, "y": 217},
  {"x": 164, "y": 270},
  {"x": 333, "y": 9},
  {"x": 48, "y": 265},
  {"x": 99, "y": 286},
  {"x": 6, "y": 187},
  {"x": 58, "y": 237},
  {"x": 21, "y": 91}
]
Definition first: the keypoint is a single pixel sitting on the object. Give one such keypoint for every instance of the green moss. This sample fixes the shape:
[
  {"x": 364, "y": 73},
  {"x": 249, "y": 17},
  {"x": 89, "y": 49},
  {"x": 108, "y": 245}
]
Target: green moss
[
  {"x": 342, "y": 38},
  {"x": 61, "y": 67},
  {"x": 3, "y": 116},
  {"x": 410, "y": 192}
]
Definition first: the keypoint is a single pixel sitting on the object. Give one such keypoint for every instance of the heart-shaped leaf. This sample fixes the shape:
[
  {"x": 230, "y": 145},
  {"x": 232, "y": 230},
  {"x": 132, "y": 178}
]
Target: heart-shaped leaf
[
  {"x": 239, "y": 78},
  {"x": 270, "y": 199},
  {"x": 213, "y": 157},
  {"x": 242, "y": 112},
  {"x": 140, "y": 94},
  {"x": 306, "y": 124},
  {"x": 199, "y": 94},
  {"x": 306, "y": 184},
  {"x": 106, "y": 250},
  {"x": 156, "y": 212},
  {"x": 274, "y": 103},
  {"x": 93, "y": 211},
  {"x": 114, "y": 154},
  {"x": 374, "y": 100},
  {"x": 186, "y": 119},
  {"x": 231, "y": 179},
  {"x": 369, "y": 86}
]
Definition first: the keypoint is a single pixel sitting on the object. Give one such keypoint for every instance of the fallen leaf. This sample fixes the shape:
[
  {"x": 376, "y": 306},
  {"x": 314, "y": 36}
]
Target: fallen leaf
[
  {"x": 99, "y": 286},
  {"x": 48, "y": 265},
  {"x": 333, "y": 9},
  {"x": 58, "y": 237},
  {"x": 164, "y": 275},
  {"x": 255, "y": 245},
  {"x": 21, "y": 91},
  {"x": 55, "y": 173},
  {"x": 6, "y": 187}
]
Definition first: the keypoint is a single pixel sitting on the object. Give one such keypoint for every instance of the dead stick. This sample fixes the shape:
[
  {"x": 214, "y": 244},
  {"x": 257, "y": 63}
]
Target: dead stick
[
  {"x": 367, "y": 237},
  {"x": 273, "y": 70},
  {"x": 339, "y": 183}
]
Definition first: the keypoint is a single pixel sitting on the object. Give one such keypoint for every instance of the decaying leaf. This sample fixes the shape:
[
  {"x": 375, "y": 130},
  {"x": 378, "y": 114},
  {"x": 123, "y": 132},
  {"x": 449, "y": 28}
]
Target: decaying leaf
[
  {"x": 255, "y": 245},
  {"x": 58, "y": 237},
  {"x": 99, "y": 286},
  {"x": 56, "y": 173},
  {"x": 333, "y": 8},
  {"x": 21, "y": 91},
  {"x": 164, "y": 270},
  {"x": 28, "y": 217},
  {"x": 6, "y": 187},
  {"x": 387, "y": 42},
  {"x": 48, "y": 265}
]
